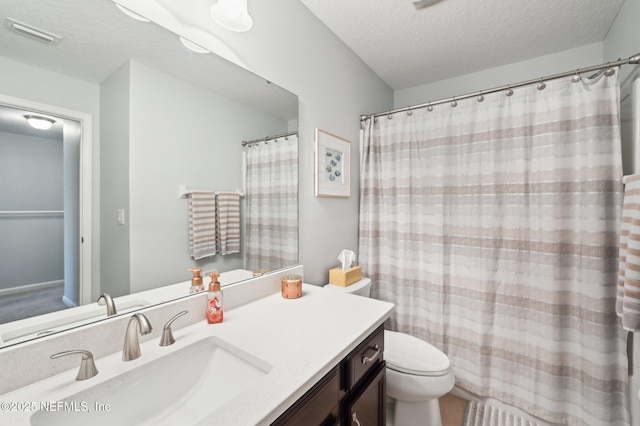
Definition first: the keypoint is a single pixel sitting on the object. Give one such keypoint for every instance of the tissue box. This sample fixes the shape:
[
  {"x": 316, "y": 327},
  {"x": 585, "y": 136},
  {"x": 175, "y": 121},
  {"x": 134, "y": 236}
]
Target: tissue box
[{"x": 344, "y": 278}]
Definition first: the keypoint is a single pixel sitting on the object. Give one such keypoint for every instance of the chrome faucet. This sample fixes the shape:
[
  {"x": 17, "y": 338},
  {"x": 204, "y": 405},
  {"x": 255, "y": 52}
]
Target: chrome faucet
[
  {"x": 105, "y": 299},
  {"x": 131, "y": 349},
  {"x": 167, "y": 338},
  {"x": 87, "y": 366}
]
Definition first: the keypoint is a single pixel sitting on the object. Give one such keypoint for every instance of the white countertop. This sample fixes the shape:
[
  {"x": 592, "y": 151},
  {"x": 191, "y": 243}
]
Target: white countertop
[
  {"x": 302, "y": 339},
  {"x": 29, "y": 328}
]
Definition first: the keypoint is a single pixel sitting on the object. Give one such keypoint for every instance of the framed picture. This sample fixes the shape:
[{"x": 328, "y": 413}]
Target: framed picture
[{"x": 333, "y": 165}]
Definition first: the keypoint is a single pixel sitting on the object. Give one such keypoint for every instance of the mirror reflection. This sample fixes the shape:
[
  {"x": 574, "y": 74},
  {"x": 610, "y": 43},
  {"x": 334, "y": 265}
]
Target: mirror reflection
[{"x": 163, "y": 123}]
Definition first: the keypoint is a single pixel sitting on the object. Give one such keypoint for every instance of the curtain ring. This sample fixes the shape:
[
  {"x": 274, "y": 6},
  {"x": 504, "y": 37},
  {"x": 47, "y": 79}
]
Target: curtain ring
[
  {"x": 576, "y": 78},
  {"x": 509, "y": 92},
  {"x": 541, "y": 85},
  {"x": 454, "y": 103},
  {"x": 390, "y": 116},
  {"x": 609, "y": 72},
  {"x": 409, "y": 112},
  {"x": 480, "y": 97},
  {"x": 429, "y": 107}
]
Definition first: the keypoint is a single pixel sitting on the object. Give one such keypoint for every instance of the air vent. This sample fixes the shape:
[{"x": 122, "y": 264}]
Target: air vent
[
  {"x": 32, "y": 32},
  {"x": 421, "y": 4}
]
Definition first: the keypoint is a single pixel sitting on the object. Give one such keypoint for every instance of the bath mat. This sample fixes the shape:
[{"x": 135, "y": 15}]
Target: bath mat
[{"x": 481, "y": 414}]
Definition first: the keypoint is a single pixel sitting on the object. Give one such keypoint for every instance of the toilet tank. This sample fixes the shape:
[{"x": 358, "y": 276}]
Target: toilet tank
[{"x": 361, "y": 288}]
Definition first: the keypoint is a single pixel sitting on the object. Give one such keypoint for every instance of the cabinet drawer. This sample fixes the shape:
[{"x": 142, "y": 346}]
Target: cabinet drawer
[{"x": 366, "y": 356}]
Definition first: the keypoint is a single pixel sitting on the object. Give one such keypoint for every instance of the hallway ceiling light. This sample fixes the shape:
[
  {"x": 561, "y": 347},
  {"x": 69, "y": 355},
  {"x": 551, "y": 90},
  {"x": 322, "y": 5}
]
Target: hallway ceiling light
[
  {"x": 232, "y": 15},
  {"x": 421, "y": 4},
  {"x": 39, "y": 122}
]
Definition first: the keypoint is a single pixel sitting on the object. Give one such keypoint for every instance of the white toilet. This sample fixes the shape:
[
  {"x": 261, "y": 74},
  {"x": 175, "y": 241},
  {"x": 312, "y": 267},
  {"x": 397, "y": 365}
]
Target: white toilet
[{"x": 417, "y": 372}]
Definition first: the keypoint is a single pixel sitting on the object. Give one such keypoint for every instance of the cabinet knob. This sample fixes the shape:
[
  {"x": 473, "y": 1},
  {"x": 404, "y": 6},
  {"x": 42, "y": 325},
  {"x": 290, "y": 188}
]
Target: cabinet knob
[
  {"x": 372, "y": 357},
  {"x": 354, "y": 417}
]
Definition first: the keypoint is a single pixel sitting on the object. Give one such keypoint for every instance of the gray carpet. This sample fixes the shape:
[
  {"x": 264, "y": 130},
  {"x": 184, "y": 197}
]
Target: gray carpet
[{"x": 26, "y": 305}]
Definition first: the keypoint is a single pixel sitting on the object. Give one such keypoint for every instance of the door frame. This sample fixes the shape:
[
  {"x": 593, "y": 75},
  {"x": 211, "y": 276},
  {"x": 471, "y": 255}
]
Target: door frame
[{"x": 86, "y": 181}]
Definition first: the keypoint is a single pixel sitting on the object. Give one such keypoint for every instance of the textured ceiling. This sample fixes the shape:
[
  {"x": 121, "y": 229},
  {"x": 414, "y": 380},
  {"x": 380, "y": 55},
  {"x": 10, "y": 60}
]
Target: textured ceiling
[
  {"x": 408, "y": 47},
  {"x": 97, "y": 39}
]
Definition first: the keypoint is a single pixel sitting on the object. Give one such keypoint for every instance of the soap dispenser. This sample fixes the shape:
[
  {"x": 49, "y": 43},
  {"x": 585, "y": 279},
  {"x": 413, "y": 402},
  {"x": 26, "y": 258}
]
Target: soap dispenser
[
  {"x": 196, "y": 281},
  {"x": 214, "y": 300}
]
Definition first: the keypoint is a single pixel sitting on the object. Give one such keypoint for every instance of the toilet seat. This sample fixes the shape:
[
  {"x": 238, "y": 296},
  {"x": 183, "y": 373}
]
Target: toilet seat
[{"x": 410, "y": 355}]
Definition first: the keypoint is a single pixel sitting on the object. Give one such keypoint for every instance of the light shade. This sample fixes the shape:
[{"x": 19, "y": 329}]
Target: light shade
[
  {"x": 39, "y": 122},
  {"x": 131, "y": 14},
  {"x": 232, "y": 15},
  {"x": 193, "y": 46},
  {"x": 421, "y": 4}
]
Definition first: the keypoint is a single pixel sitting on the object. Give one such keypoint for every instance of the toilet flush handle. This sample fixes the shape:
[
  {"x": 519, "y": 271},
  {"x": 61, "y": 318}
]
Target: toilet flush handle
[{"x": 372, "y": 357}]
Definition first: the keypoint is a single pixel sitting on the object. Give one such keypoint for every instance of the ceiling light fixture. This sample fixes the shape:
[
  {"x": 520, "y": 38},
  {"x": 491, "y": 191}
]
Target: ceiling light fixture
[
  {"x": 421, "y": 4},
  {"x": 39, "y": 122},
  {"x": 193, "y": 46},
  {"x": 131, "y": 14},
  {"x": 32, "y": 32},
  {"x": 232, "y": 15}
]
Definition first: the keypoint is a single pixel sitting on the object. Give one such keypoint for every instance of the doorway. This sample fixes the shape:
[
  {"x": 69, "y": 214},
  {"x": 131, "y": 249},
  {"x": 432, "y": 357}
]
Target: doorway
[{"x": 44, "y": 253}]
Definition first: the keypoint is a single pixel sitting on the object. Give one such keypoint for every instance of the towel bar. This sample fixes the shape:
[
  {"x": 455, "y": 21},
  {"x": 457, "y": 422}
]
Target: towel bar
[{"x": 185, "y": 191}]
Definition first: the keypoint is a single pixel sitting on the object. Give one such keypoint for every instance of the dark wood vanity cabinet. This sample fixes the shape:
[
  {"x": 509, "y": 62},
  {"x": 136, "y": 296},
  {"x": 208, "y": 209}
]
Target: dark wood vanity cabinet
[
  {"x": 367, "y": 406},
  {"x": 352, "y": 393}
]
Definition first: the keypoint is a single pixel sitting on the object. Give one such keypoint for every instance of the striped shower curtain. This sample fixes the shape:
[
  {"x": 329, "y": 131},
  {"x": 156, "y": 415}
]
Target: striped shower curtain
[
  {"x": 272, "y": 203},
  {"x": 493, "y": 228}
]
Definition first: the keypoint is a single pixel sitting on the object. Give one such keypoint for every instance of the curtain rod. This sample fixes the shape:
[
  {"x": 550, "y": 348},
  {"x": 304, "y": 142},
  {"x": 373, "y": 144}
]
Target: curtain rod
[
  {"x": 635, "y": 59},
  {"x": 268, "y": 138}
]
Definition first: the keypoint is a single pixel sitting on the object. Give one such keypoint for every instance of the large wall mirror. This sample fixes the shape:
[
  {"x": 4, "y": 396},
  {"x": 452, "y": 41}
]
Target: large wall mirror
[{"x": 163, "y": 120}]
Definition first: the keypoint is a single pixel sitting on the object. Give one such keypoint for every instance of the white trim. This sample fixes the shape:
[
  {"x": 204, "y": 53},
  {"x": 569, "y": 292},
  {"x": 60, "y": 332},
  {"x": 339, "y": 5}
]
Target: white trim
[
  {"x": 32, "y": 213},
  {"x": 28, "y": 288},
  {"x": 68, "y": 302},
  {"x": 86, "y": 178}
]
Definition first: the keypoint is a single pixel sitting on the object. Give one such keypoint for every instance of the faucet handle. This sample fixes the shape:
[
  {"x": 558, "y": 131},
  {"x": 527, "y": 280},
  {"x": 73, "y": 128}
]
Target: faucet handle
[
  {"x": 87, "y": 366},
  {"x": 167, "y": 335}
]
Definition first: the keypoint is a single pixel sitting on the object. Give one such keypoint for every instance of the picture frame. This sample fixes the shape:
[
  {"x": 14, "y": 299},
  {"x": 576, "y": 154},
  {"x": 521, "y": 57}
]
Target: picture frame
[{"x": 333, "y": 165}]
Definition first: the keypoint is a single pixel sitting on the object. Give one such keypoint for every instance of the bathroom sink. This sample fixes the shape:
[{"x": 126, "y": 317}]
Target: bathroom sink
[
  {"x": 182, "y": 387},
  {"x": 57, "y": 321}
]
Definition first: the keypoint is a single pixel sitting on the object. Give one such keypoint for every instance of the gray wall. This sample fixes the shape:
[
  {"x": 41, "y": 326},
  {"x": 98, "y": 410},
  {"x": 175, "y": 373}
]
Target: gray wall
[
  {"x": 583, "y": 56},
  {"x": 31, "y": 172},
  {"x": 623, "y": 40},
  {"x": 114, "y": 183},
  {"x": 170, "y": 133},
  {"x": 289, "y": 46},
  {"x": 181, "y": 134}
]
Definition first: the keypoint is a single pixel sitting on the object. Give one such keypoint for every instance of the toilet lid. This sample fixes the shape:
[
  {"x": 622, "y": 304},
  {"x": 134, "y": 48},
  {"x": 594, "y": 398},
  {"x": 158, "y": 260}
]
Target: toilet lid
[{"x": 408, "y": 354}]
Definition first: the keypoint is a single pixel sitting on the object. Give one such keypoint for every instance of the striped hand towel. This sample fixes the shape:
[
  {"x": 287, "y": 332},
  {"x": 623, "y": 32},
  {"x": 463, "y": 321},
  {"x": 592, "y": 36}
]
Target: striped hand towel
[
  {"x": 227, "y": 222},
  {"x": 202, "y": 224},
  {"x": 628, "y": 294}
]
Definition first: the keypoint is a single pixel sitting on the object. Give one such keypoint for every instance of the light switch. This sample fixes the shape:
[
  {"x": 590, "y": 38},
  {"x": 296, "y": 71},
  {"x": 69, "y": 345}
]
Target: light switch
[{"x": 120, "y": 216}]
